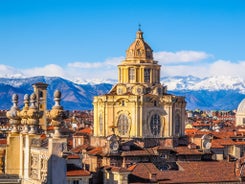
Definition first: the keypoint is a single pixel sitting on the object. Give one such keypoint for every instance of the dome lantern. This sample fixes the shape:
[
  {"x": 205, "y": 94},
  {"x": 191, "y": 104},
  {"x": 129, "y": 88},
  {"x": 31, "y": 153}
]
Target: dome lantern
[{"x": 139, "y": 49}]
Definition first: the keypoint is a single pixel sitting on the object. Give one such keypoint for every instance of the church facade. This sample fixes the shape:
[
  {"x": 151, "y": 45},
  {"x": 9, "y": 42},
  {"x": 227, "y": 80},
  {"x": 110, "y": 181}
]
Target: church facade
[{"x": 138, "y": 106}]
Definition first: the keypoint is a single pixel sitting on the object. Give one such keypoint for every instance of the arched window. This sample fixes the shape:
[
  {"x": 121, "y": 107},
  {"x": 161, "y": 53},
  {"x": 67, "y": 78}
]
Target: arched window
[
  {"x": 122, "y": 124},
  {"x": 100, "y": 123},
  {"x": 40, "y": 94},
  {"x": 177, "y": 124},
  {"x": 155, "y": 124}
]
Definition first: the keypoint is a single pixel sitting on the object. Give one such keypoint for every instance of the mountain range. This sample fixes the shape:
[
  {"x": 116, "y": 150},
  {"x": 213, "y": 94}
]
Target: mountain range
[{"x": 211, "y": 93}]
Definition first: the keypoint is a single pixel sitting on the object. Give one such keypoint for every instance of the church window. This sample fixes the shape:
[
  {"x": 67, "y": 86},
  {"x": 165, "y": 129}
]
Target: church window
[
  {"x": 123, "y": 103},
  {"x": 155, "y": 103},
  {"x": 100, "y": 123},
  {"x": 177, "y": 124},
  {"x": 155, "y": 124},
  {"x": 40, "y": 94},
  {"x": 131, "y": 74},
  {"x": 122, "y": 124},
  {"x": 147, "y": 72}
]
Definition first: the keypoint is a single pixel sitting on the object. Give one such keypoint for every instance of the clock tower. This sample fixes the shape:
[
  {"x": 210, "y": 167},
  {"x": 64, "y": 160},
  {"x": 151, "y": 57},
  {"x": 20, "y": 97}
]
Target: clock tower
[{"x": 138, "y": 106}]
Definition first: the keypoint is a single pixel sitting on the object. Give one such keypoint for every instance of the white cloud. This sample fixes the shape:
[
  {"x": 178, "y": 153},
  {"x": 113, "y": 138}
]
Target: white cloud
[
  {"x": 107, "y": 69},
  {"x": 9, "y": 72},
  {"x": 180, "y": 56},
  {"x": 228, "y": 68},
  {"x": 51, "y": 70},
  {"x": 110, "y": 62},
  {"x": 217, "y": 68},
  {"x": 185, "y": 70}
]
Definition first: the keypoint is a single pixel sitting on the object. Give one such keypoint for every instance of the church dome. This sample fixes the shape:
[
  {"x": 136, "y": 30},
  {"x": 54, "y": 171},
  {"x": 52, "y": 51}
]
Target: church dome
[
  {"x": 241, "y": 107},
  {"x": 139, "y": 49}
]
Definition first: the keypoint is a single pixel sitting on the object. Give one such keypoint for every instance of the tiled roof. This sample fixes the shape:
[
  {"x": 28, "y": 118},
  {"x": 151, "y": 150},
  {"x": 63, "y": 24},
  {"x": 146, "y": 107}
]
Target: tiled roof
[
  {"x": 79, "y": 172},
  {"x": 80, "y": 148},
  {"x": 201, "y": 172},
  {"x": 73, "y": 156},
  {"x": 138, "y": 152},
  {"x": 220, "y": 143},
  {"x": 3, "y": 141},
  {"x": 73, "y": 170},
  {"x": 189, "y": 172},
  {"x": 84, "y": 131},
  {"x": 183, "y": 150},
  {"x": 116, "y": 169},
  {"x": 95, "y": 151}
]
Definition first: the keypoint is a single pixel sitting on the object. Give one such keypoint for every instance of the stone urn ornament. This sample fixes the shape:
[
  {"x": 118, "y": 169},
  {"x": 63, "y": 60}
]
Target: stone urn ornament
[
  {"x": 24, "y": 115},
  {"x": 13, "y": 114},
  {"x": 33, "y": 114},
  {"x": 56, "y": 114}
]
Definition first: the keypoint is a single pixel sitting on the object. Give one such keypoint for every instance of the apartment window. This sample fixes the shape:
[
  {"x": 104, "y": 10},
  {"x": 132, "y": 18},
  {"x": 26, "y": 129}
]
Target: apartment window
[{"x": 147, "y": 72}]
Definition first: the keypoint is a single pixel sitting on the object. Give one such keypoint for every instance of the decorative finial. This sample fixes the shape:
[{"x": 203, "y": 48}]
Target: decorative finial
[
  {"x": 13, "y": 114},
  {"x": 56, "y": 114},
  {"x": 139, "y": 27},
  {"x": 33, "y": 114},
  {"x": 139, "y": 34},
  {"x": 23, "y": 113}
]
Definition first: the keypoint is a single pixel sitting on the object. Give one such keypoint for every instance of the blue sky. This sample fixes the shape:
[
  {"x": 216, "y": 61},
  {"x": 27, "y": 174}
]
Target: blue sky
[{"x": 87, "y": 39}]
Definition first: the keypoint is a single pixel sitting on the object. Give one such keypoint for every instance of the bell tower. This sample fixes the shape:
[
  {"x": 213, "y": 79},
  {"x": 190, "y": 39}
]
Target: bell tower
[{"x": 40, "y": 89}]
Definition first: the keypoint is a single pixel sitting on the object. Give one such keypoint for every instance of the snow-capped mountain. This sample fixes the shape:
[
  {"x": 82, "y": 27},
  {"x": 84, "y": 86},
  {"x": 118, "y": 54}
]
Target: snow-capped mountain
[
  {"x": 216, "y": 93},
  {"x": 209, "y": 83}
]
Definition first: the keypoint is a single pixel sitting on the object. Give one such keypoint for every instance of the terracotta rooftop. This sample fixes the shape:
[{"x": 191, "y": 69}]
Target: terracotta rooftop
[
  {"x": 73, "y": 156},
  {"x": 189, "y": 172},
  {"x": 79, "y": 172},
  {"x": 138, "y": 152},
  {"x": 3, "y": 141},
  {"x": 84, "y": 131},
  {"x": 95, "y": 151},
  {"x": 80, "y": 148},
  {"x": 184, "y": 150},
  {"x": 220, "y": 143}
]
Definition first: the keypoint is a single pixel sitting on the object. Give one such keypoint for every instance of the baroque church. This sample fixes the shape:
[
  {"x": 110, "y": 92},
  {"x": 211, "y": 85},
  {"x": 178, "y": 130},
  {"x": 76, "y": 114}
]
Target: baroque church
[
  {"x": 138, "y": 106},
  {"x": 136, "y": 121}
]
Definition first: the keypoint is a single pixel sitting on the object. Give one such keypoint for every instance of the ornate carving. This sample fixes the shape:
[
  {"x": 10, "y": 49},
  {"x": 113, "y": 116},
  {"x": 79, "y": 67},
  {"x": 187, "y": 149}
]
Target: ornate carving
[
  {"x": 34, "y": 166},
  {"x": 44, "y": 169},
  {"x": 13, "y": 114}
]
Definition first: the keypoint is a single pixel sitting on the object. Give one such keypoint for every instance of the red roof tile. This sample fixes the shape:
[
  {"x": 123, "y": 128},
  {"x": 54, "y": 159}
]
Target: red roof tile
[{"x": 79, "y": 172}]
